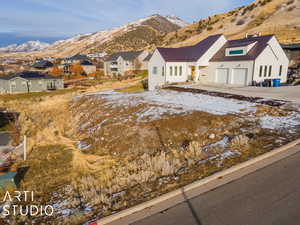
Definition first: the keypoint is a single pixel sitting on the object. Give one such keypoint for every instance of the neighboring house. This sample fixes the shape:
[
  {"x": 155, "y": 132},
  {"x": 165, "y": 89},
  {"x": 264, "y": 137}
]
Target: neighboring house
[
  {"x": 98, "y": 55},
  {"x": 88, "y": 67},
  {"x": 29, "y": 82},
  {"x": 42, "y": 65},
  {"x": 82, "y": 60},
  {"x": 216, "y": 60},
  {"x": 75, "y": 59},
  {"x": 121, "y": 62}
]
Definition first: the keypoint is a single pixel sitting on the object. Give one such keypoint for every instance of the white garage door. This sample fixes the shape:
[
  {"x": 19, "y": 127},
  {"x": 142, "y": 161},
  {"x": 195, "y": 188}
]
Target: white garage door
[
  {"x": 240, "y": 76},
  {"x": 222, "y": 76}
]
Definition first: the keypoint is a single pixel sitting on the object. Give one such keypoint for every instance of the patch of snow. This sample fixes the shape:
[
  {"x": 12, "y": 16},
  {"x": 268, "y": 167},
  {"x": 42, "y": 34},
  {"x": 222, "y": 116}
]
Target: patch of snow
[
  {"x": 175, "y": 20},
  {"x": 173, "y": 102},
  {"x": 278, "y": 122},
  {"x": 29, "y": 46},
  {"x": 82, "y": 145},
  {"x": 221, "y": 144}
]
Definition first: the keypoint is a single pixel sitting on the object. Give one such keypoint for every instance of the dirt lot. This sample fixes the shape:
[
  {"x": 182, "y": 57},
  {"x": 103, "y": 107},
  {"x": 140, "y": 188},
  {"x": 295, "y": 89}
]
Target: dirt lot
[{"x": 101, "y": 152}]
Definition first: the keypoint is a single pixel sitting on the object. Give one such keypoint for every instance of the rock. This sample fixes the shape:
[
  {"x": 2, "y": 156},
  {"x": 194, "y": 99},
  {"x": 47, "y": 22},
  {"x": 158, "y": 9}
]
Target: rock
[{"x": 212, "y": 136}]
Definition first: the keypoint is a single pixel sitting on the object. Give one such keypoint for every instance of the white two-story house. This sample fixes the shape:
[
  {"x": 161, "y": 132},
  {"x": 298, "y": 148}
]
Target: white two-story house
[{"x": 217, "y": 60}]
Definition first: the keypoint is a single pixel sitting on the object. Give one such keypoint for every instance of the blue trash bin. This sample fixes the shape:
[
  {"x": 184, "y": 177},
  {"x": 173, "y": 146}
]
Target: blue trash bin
[{"x": 276, "y": 82}]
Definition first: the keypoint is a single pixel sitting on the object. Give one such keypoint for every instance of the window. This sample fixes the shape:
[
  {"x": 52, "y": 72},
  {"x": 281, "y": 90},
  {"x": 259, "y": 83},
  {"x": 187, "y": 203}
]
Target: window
[
  {"x": 270, "y": 71},
  {"x": 171, "y": 70},
  {"x": 154, "y": 70},
  {"x": 180, "y": 70},
  {"x": 280, "y": 70},
  {"x": 236, "y": 52},
  {"x": 266, "y": 71},
  {"x": 175, "y": 70},
  {"x": 260, "y": 71},
  {"x": 163, "y": 71}
]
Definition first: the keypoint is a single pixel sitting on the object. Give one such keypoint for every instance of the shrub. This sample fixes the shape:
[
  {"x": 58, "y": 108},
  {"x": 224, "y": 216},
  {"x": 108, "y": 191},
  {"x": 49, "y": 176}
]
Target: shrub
[
  {"x": 291, "y": 8},
  {"x": 240, "y": 22},
  {"x": 209, "y": 28},
  {"x": 290, "y": 2}
]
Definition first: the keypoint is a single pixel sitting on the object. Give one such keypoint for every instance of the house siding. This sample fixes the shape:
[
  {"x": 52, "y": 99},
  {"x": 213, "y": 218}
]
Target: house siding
[
  {"x": 125, "y": 65},
  {"x": 274, "y": 56},
  {"x": 211, "y": 71},
  {"x": 155, "y": 80},
  {"x": 20, "y": 85}
]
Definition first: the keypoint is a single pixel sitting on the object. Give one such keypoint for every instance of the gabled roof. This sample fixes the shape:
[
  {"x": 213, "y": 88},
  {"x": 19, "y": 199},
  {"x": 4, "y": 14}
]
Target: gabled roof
[
  {"x": 78, "y": 57},
  {"x": 189, "y": 53},
  {"x": 148, "y": 57},
  {"x": 29, "y": 76},
  {"x": 86, "y": 63},
  {"x": 43, "y": 64},
  {"x": 261, "y": 42},
  {"x": 128, "y": 56}
]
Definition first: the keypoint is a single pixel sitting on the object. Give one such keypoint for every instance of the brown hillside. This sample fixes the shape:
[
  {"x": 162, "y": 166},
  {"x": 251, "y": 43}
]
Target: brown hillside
[{"x": 279, "y": 17}]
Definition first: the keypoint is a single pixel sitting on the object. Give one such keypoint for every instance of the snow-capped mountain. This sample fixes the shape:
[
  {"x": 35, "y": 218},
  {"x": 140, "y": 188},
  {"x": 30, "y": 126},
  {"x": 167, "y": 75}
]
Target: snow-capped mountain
[
  {"x": 29, "y": 46},
  {"x": 133, "y": 36},
  {"x": 174, "y": 19}
]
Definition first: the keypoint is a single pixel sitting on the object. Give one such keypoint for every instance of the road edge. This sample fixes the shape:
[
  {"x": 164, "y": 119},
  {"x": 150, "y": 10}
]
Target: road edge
[{"x": 218, "y": 179}]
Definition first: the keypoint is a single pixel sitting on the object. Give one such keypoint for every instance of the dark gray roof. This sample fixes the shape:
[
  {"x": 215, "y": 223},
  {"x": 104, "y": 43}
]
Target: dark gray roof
[
  {"x": 43, "y": 64},
  {"x": 189, "y": 53},
  {"x": 261, "y": 42},
  {"x": 291, "y": 46},
  {"x": 86, "y": 63},
  {"x": 148, "y": 57},
  {"x": 79, "y": 57},
  {"x": 29, "y": 76},
  {"x": 129, "y": 56}
]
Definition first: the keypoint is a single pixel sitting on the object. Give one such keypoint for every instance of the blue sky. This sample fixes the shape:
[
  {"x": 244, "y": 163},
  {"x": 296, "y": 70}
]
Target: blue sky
[{"x": 49, "y": 20}]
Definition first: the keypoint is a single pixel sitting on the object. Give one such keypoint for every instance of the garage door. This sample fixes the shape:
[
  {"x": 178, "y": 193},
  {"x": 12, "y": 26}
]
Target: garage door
[
  {"x": 240, "y": 76},
  {"x": 222, "y": 76}
]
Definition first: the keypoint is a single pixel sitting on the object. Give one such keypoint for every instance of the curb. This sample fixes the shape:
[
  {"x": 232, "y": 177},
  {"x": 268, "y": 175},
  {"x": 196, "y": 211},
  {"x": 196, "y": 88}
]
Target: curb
[{"x": 175, "y": 197}]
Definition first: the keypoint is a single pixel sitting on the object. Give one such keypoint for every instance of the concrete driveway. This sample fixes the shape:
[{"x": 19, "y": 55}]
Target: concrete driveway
[{"x": 287, "y": 93}]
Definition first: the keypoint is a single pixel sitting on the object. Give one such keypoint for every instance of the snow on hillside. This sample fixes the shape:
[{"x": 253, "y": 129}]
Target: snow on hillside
[
  {"x": 83, "y": 40},
  {"x": 174, "y": 19},
  {"x": 29, "y": 46}
]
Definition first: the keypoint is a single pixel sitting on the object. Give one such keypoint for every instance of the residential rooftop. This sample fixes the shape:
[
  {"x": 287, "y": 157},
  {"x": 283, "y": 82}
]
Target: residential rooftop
[
  {"x": 261, "y": 42},
  {"x": 29, "y": 76},
  {"x": 189, "y": 53}
]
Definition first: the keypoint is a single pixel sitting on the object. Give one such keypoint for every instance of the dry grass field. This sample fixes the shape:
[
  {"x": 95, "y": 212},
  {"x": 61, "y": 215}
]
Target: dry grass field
[{"x": 94, "y": 153}]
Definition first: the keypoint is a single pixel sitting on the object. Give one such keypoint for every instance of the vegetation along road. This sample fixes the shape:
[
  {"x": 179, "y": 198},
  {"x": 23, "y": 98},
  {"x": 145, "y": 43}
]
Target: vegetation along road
[{"x": 267, "y": 196}]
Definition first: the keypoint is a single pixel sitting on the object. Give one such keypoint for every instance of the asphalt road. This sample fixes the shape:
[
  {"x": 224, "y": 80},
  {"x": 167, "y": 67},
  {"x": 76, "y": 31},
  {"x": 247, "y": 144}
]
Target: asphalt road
[
  {"x": 269, "y": 196},
  {"x": 4, "y": 138}
]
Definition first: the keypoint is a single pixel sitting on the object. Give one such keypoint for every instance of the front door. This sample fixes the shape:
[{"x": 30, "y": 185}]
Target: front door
[{"x": 193, "y": 72}]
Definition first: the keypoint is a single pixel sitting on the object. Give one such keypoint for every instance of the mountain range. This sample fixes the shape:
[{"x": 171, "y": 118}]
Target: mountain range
[
  {"x": 136, "y": 35},
  {"x": 29, "y": 46},
  {"x": 279, "y": 17}
]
